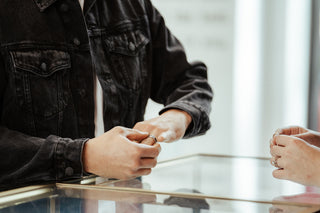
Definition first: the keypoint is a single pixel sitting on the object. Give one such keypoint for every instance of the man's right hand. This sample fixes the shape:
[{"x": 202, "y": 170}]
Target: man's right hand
[{"x": 115, "y": 155}]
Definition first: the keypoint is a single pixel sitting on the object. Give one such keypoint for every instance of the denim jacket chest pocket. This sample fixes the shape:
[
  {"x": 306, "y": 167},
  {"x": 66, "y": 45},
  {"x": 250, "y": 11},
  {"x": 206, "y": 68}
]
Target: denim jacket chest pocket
[
  {"x": 41, "y": 81},
  {"x": 127, "y": 58}
]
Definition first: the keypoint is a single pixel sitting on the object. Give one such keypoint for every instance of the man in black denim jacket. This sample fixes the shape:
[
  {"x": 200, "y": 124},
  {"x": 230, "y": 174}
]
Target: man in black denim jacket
[{"x": 51, "y": 52}]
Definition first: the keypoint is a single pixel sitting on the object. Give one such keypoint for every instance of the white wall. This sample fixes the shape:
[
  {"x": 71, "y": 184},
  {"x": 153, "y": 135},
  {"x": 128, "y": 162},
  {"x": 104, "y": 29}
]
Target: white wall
[{"x": 257, "y": 57}]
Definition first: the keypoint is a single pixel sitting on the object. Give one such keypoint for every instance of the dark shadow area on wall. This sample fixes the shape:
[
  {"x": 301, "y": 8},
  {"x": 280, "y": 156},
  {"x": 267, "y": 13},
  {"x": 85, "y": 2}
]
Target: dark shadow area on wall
[{"x": 314, "y": 86}]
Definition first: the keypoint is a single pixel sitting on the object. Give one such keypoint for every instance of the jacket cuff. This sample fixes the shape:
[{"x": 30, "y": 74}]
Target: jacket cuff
[
  {"x": 68, "y": 157},
  {"x": 200, "y": 117}
]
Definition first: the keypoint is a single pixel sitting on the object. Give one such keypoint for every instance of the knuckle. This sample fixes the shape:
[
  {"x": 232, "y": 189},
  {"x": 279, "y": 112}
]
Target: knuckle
[
  {"x": 285, "y": 155},
  {"x": 297, "y": 143},
  {"x": 277, "y": 132},
  {"x": 272, "y": 150},
  {"x": 118, "y": 129},
  {"x": 284, "y": 164},
  {"x": 271, "y": 161},
  {"x": 139, "y": 124},
  {"x": 154, "y": 163},
  {"x": 136, "y": 153},
  {"x": 135, "y": 164},
  {"x": 156, "y": 152},
  {"x": 124, "y": 176},
  {"x": 158, "y": 148},
  {"x": 275, "y": 174},
  {"x": 129, "y": 173},
  {"x": 148, "y": 141},
  {"x": 147, "y": 171}
]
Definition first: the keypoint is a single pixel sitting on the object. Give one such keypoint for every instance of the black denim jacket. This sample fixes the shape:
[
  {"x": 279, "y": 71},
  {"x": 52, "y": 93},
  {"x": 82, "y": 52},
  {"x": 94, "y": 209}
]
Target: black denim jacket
[{"x": 50, "y": 54}]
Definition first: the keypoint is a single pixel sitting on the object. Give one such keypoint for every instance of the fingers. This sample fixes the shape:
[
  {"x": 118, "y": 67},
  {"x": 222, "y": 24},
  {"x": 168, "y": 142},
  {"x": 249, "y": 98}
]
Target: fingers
[
  {"x": 307, "y": 137},
  {"x": 283, "y": 140},
  {"x": 279, "y": 173},
  {"x": 143, "y": 167},
  {"x": 288, "y": 131},
  {"x": 168, "y": 136},
  {"x": 277, "y": 162},
  {"x": 280, "y": 163},
  {"x": 277, "y": 151},
  {"x": 164, "y": 130},
  {"x": 135, "y": 173},
  {"x": 142, "y": 172},
  {"x": 146, "y": 163},
  {"x": 150, "y": 151},
  {"x": 291, "y": 130},
  {"x": 139, "y": 165},
  {"x": 136, "y": 135},
  {"x": 147, "y": 127},
  {"x": 273, "y": 159},
  {"x": 277, "y": 132},
  {"x": 152, "y": 129},
  {"x": 148, "y": 141}
]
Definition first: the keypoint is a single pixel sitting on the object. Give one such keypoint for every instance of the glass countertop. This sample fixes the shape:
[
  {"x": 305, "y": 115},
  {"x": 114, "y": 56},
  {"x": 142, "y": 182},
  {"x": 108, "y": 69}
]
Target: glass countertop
[
  {"x": 69, "y": 199},
  {"x": 212, "y": 176},
  {"x": 197, "y": 183}
]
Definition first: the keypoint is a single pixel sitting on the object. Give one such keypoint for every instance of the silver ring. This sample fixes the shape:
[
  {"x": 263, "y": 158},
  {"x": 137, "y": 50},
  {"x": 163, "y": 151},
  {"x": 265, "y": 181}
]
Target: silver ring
[
  {"x": 275, "y": 163},
  {"x": 154, "y": 138}
]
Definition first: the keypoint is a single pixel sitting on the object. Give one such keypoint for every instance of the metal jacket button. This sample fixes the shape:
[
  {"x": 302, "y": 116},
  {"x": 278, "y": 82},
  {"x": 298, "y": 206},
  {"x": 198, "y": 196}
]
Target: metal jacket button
[
  {"x": 76, "y": 41},
  {"x": 43, "y": 66},
  {"x": 69, "y": 171}
]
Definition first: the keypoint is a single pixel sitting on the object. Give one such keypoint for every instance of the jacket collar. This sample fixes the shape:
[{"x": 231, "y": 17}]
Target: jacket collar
[
  {"x": 87, "y": 6},
  {"x": 44, "y": 4}
]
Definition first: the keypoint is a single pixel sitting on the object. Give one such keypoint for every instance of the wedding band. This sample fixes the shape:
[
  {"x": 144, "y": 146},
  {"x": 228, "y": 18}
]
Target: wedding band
[
  {"x": 154, "y": 138},
  {"x": 275, "y": 163}
]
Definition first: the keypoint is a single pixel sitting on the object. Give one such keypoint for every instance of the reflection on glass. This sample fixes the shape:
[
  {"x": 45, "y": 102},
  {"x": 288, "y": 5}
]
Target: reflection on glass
[
  {"x": 205, "y": 179},
  {"x": 215, "y": 176},
  {"x": 196, "y": 204},
  {"x": 245, "y": 180},
  {"x": 309, "y": 198},
  {"x": 68, "y": 199},
  {"x": 292, "y": 209}
]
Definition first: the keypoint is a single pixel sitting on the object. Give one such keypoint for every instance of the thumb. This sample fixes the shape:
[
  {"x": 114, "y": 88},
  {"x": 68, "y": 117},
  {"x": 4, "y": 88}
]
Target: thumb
[
  {"x": 303, "y": 135},
  {"x": 136, "y": 135}
]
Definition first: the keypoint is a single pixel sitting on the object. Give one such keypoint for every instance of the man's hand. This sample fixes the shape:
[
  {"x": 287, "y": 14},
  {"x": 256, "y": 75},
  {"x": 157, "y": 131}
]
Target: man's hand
[
  {"x": 114, "y": 155},
  {"x": 168, "y": 127}
]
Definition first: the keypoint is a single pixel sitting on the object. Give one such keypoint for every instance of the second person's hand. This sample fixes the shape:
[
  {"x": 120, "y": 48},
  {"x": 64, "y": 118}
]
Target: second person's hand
[{"x": 310, "y": 136}]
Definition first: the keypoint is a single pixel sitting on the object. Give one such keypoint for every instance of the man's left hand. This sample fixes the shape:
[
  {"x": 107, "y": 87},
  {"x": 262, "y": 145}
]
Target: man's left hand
[{"x": 168, "y": 127}]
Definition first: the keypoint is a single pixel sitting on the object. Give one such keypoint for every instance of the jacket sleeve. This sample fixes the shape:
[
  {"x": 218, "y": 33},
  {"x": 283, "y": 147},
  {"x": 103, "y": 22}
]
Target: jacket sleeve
[
  {"x": 25, "y": 159},
  {"x": 176, "y": 83}
]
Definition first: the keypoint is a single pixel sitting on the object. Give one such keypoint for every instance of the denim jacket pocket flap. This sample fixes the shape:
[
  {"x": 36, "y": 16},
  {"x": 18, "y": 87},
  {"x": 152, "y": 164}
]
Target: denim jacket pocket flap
[
  {"x": 129, "y": 43},
  {"x": 41, "y": 62}
]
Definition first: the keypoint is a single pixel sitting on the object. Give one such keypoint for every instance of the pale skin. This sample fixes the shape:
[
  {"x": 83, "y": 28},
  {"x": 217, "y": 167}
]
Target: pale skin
[
  {"x": 124, "y": 153},
  {"x": 170, "y": 126},
  {"x": 297, "y": 153}
]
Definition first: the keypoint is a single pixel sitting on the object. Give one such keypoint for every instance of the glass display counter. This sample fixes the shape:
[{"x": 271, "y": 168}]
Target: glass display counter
[
  {"x": 198, "y": 183},
  {"x": 68, "y": 199},
  {"x": 213, "y": 176}
]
